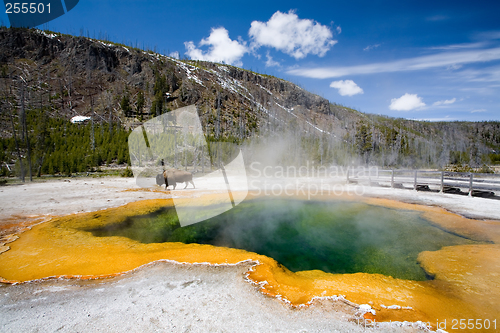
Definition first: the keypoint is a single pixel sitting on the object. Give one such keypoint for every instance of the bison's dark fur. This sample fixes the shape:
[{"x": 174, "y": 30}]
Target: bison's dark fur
[{"x": 174, "y": 176}]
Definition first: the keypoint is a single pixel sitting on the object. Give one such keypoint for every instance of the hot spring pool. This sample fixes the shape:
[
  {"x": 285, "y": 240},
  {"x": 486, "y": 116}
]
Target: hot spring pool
[{"x": 335, "y": 237}]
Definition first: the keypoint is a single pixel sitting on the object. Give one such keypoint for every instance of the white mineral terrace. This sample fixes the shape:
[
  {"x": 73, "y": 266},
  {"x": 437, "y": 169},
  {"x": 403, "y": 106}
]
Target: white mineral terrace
[{"x": 166, "y": 296}]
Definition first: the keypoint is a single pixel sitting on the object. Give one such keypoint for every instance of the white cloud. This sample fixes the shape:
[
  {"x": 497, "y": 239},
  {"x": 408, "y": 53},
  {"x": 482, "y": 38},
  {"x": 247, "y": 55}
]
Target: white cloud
[
  {"x": 370, "y": 47},
  {"x": 445, "y": 59},
  {"x": 493, "y": 34},
  {"x": 175, "y": 55},
  {"x": 445, "y": 102},
  {"x": 406, "y": 102},
  {"x": 446, "y": 118},
  {"x": 339, "y": 30},
  {"x": 222, "y": 48},
  {"x": 270, "y": 62},
  {"x": 347, "y": 87},
  {"x": 489, "y": 74},
  {"x": 454, "y": 67},
  {"x": 478, "y": 110},
  {"x": 291, "y": 35},
  {"x": 491, "y": 90},
  {"x": 460, "y": 46}
]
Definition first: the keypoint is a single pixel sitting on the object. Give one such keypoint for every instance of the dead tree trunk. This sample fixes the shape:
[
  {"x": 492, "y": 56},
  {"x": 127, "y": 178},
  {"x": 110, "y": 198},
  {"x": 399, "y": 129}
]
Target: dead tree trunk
[
  {"x": 17, "y": 145},
  {"x": 25, "y": 132}
]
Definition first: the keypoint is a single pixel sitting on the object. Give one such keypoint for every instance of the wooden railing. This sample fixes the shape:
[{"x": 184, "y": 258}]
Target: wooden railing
[{"x": 465, "y": 183}]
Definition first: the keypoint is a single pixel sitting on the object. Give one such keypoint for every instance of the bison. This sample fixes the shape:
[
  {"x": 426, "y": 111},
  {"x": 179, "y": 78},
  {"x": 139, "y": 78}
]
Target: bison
[{"x": 174, "y": 176}]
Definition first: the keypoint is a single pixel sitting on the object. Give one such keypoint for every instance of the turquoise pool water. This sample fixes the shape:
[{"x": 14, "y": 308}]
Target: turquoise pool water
[{"x": 334, "y": 236}]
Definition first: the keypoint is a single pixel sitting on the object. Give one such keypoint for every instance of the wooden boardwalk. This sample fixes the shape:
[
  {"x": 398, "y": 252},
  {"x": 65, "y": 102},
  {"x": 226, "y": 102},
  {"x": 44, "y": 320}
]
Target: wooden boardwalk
[{"x": 461, "y": 183}]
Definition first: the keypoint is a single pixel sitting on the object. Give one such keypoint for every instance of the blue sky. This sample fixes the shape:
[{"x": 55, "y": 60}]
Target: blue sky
[{"x": 434, "y": 60}]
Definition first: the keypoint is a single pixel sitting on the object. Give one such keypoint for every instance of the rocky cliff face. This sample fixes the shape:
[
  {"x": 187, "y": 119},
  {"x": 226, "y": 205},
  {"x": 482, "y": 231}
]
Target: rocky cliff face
[{"x": 78, "y": 76}]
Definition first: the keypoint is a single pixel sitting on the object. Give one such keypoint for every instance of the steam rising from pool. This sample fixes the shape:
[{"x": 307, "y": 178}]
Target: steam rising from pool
[{"x": 335, "y": 237}]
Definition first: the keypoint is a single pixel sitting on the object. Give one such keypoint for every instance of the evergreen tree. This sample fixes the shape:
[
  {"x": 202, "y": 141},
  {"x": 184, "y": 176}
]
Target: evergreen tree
[
  {"x": 140, "y": 104},
  {"x": 160, "y": 88},
  {"x": 125, "y": 105},
  {"x": 364, "y": 142}
]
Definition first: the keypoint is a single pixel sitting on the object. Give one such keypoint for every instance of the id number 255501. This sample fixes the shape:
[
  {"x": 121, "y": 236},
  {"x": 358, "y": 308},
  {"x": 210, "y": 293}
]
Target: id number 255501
[
  {"x": 25, "y": 8},
  {"x": 473, "y": 324}
]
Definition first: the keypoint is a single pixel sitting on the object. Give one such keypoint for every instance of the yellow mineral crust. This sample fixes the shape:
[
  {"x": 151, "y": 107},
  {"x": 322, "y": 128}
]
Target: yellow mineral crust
[{"x": 465, "y": 286}]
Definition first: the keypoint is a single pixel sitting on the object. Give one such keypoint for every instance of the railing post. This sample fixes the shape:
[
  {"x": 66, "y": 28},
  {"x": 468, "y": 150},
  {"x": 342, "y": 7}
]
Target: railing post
[
  {"x": 470, "y": 183},
  {"x": 347, "y": 180},
  {"x": 392, "y": 178},
  {"x": 442, "y": 182},
  {"x": 415, "y": 181}
]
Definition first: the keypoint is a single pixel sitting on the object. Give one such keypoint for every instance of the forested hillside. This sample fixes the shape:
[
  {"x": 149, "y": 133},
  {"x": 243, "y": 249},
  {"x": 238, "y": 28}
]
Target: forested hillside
[
  {"x": 386, "y": 141},
  {"x": 56, "y": 146},
  {"x": 48, "y": 78}
]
